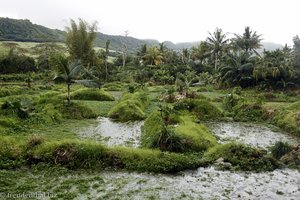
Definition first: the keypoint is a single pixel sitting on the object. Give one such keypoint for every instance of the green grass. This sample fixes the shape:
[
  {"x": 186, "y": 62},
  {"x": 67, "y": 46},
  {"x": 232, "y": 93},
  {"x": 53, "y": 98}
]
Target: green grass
[
  {"x": 289, "y": 118},
  {"x": 242, "y": 157},
  {"x": 130, "y": 107},
  {"x": 101, "y": 108},
  {"x": 190, "y": 136},
  {"x": 92, "y": 94},
  {"x": 197, "y": 136}
]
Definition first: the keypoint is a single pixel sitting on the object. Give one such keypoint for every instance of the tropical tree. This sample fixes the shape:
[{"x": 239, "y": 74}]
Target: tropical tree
[
  {"x": 185, "y": 55},
  {"x": 276, "y": 68},
  {"x": 142, "y": 51},
  {"x": 218, "y": 44},
  {"x": 249, "y": 41},
  {"x": 237, "y": 69},
  {"x": 106, "y": 57},
  {"x": 66, "y": 71},
  {"x": 80, "y": 41},
  {"x": 201, "y": 51},
  {"x": 154, "y": 56}
]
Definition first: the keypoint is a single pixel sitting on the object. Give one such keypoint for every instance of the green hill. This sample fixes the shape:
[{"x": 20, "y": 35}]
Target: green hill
[{"x": 23, "y": 30}]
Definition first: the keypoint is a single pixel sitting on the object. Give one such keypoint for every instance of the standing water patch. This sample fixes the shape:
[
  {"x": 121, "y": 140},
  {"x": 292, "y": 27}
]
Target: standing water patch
[
  {"x": 256, "y": 135},
  {"x": 114, "y": 133}
]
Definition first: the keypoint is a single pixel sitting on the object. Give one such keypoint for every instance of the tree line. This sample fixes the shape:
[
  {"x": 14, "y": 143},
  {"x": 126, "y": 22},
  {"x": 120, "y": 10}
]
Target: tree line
[{"x": 219, "y": 60}]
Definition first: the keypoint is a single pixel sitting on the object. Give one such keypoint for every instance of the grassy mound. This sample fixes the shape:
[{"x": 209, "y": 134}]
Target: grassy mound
[
  {"x": 130, "y": 107},
  {"x": 185, "y": 136},
  {"x": 196, "y": 136},
  {"x": 92, "y": 94},
  {"x": 90, "y": 155},
  {"x": 75, "y": 111},
  {"x": 242, "y": 157},
  {"x": 289, "y": 118},
  {"x": 203, "y": 109}
]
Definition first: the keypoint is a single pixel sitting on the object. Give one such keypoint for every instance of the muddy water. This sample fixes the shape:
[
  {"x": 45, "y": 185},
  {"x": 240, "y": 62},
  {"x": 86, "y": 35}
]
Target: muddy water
[
  {"x": 203, "y": 183},
  {"x": 256, "y": 135},
  {"x": 113, "y": 133}
]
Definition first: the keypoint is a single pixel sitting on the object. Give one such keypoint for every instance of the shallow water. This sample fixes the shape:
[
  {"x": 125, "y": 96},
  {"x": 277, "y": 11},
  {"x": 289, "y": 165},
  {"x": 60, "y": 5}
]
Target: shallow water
[
  {"x": 203, "y": 183},
  {"x": 256, "y": 135},
  {"x": 113, "y": 133},
  {"x": 206, "y": 183}
]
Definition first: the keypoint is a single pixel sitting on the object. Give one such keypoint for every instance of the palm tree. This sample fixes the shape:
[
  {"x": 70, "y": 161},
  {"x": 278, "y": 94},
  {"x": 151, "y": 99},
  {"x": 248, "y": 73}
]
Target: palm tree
[
  {"x": 275, "y": 67},
  {"x": 218, "y": 44},
  {"x": 66, "y": 72},
  {"x": 249, "y": 41},
  {"x": 238, "y": 68},
  {"x": 154, "y": 56},
  {"x": 106, "y": 57},
  {"x": 200, "y": 52}
]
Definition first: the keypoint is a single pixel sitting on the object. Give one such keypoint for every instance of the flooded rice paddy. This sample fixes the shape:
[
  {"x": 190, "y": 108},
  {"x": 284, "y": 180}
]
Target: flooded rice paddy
[{"x": 203, "y": 183}]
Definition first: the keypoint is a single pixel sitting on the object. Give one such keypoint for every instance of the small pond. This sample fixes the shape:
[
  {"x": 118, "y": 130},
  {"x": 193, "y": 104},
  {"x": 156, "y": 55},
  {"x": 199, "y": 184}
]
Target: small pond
[
  {"x": 256, "y": 135},
  {"x": 112, "y": 132}
]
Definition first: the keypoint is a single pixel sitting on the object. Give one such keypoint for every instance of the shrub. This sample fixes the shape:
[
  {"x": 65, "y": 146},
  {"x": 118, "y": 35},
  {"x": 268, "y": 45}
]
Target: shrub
[
  {"x": 230, "y": 101},
  {"x": 242, "y": 157},
  {"x": 203, "y": 109},
  {"x": 249, "y": 112},
  {"x": 92, "y": 94},
  {"x": 280, "y": 148}
]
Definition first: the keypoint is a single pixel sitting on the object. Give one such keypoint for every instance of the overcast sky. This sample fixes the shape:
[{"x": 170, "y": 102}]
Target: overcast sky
[{"x": 174, "y": 20}]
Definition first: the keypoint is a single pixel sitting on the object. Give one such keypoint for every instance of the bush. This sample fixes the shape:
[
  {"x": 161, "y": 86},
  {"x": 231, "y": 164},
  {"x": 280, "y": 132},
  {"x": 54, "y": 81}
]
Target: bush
[
  {"x": 130, "y": 107},
  {"x": 203, "y": 109},
  {"x": 242, "y": 157},
  {"x": 230, "y": 101},
  {"x": 251, "y": 112},
  {"x": 92, "y": 94},
  {"x": 280, "y": 149}
]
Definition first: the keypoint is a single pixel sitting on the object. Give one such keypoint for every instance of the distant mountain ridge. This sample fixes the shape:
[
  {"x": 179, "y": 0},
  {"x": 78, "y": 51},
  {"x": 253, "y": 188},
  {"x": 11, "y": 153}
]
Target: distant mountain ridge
[{"x": 25, "y": 31}]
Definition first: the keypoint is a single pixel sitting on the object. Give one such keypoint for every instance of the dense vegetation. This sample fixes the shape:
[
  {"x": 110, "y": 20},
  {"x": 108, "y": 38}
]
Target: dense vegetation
[{"x": 52, "y": 89}]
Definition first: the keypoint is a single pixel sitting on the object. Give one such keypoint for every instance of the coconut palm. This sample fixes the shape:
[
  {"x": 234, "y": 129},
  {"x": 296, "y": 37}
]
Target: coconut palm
[
  {"x": 154, "y": 56},
  {"x": 200, "y": 52},
  {"x": 238, "y": 68},
  {"x": 217, "y": 43},
  {"x": 67, "y": 72},
  {"x": 249, "y": 41}
]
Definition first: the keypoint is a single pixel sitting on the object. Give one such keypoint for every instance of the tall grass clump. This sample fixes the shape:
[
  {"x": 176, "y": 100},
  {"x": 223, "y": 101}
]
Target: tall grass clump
[{"x": 289, "y": 118}]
